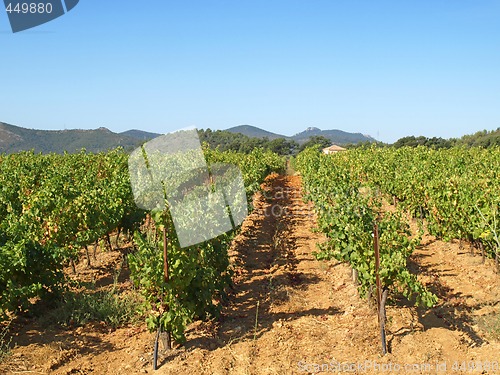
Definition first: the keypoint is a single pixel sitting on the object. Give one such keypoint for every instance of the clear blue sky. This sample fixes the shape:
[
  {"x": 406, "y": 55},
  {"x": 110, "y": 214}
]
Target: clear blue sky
[{"x": 384, "y": 68}]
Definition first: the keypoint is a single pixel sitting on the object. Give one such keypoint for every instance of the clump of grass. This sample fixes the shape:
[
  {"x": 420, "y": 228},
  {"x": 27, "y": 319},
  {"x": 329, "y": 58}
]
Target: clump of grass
[
  {"x": 108, "y": 306},
  {"x": 491, "y": 325},
  {"x": 4, "y": 342}
]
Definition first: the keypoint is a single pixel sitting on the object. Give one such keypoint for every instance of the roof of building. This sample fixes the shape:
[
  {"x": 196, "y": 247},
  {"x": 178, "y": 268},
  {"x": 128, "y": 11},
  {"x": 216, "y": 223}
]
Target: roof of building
[{"x": 334, "y": 148}]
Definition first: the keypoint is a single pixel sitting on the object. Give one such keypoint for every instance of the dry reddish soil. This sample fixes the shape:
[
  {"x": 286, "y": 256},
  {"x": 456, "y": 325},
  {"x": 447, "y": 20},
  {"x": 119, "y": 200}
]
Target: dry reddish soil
[{"x": 288, "y": 313}]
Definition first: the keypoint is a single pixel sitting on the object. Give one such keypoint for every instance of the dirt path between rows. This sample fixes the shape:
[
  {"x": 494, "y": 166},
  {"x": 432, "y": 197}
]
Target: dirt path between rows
[{"x": 291, "y": 314}]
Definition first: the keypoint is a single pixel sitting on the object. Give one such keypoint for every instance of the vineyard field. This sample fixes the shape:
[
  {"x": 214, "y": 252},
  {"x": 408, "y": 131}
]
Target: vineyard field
[{"x": 294, "y": 288}]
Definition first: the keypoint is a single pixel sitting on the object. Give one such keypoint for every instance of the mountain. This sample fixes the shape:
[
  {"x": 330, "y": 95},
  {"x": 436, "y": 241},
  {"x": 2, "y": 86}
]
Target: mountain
[
  {"x": 254, "y": 132},
  {"x": 15, "y": 138},
  {"x": 139, "y": 134},
  {"x": 335, "y": 135}
]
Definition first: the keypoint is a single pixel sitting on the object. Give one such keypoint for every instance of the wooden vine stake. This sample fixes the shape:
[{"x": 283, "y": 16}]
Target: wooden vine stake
[
  {"x": 165, "y": 337},
  {"x": 167, "y": 340},
  {"x": 381, "y": 292}
]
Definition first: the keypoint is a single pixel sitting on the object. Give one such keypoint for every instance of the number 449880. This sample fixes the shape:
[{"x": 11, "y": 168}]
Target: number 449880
[{"x": 32, "y": 8}]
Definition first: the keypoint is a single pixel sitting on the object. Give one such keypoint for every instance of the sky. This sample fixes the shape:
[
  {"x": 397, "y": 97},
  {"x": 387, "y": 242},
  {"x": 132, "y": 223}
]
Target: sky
[{"x": 384, "y": 68}]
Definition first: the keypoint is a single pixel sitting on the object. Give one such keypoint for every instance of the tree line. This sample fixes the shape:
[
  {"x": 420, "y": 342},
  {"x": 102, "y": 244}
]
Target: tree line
[{"x": 227, "y": 141}]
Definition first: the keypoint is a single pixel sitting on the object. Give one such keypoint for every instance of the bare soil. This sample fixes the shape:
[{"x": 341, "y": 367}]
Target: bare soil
[{"x": 288, "y": 313}]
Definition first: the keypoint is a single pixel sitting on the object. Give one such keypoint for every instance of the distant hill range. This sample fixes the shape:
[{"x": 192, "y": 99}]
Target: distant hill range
[
  {"x": 14, "y": 138},
  {"x": 254, "y": 132},
  {"x": 335, "y": 136},
  {"x": 140, "y": 134}
]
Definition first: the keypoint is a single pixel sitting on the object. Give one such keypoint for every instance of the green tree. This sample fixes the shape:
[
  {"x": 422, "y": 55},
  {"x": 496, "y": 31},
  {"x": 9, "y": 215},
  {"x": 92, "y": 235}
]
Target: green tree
[{"x": 317, "y": 141}]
